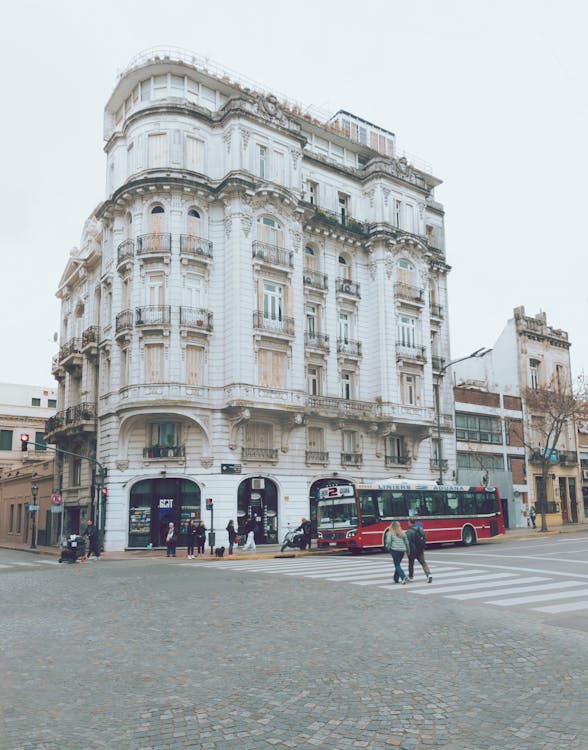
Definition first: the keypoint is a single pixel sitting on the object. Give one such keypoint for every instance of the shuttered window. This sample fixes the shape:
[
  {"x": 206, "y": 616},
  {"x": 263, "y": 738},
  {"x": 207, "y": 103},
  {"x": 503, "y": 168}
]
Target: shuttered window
[
  {"x": 154, "y": 363},
  {"x": 194, "y": 363}
]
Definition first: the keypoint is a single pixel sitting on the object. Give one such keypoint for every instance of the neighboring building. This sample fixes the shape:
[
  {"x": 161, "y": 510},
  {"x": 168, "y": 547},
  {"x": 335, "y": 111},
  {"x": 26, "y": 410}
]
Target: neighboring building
[
  {"x": 490, "y": 445},
  {"x": 256, "y": 310},
  {"x": 583, "y": 453},
  {"x": 24, "y": 409},
  {"x": 531, "y": 354},
  {"x": 15, "y": 497}
]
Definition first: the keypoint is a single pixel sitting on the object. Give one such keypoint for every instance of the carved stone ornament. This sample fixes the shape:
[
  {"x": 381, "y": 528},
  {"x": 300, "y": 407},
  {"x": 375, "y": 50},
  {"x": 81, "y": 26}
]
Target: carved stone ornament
[
  {"x": 295, "y": 155},
  {"x": 245, "y": 135},
  {"x": 386, "y": 194},
  {"x": 228, "y": 226},
  {"x": 122, "y": 465},
  {"x": 246, "y": 222},
  {"x": 228, "y": 139},
  {"x": 389, "y": 261},
  {"x": 206, "y": 462},
  {"x": 243, "y": 416},
  {"x": 370, "y": 194},
  {"x": 373, "y": 268}
]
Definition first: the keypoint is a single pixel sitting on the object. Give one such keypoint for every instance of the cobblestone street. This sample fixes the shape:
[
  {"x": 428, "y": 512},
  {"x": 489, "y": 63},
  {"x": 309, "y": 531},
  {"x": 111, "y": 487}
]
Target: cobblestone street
[{"x": 155, "y": 654}]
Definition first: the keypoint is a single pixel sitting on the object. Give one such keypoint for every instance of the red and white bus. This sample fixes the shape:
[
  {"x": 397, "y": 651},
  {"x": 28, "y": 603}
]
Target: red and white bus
[{"x": 356, "y": 517}]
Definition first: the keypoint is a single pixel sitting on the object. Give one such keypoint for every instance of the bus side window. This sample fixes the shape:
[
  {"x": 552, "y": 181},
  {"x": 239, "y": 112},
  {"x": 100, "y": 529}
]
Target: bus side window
[
  {"x": 437, "y": 503},
  {"x": 415, "y": 504},
  {"x": 453, "y": 503},
  {"x": 468, "y": 504},
  {"x": 484, "y": 502}
]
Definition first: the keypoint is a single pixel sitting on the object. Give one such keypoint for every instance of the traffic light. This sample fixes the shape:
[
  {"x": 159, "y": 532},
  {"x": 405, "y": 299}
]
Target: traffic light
[
  {"x": 24, "y": 442},
  {"x": 105, "y": 493},
  {"x": 208, "y": 503}
]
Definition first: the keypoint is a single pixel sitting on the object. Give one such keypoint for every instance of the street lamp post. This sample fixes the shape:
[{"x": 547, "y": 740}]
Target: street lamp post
[
  {"x": 34, "y": 491},
  {"x": 478, "y": 353}
]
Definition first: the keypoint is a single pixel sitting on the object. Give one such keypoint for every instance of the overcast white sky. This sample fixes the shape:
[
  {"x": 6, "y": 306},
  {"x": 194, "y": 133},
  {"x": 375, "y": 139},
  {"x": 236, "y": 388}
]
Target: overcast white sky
[{"x": 492, "y": 94}]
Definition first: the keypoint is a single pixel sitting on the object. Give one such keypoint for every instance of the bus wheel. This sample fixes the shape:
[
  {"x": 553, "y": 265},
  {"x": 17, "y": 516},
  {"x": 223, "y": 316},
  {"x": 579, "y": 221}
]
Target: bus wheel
[{"x": 468, "y": 536}]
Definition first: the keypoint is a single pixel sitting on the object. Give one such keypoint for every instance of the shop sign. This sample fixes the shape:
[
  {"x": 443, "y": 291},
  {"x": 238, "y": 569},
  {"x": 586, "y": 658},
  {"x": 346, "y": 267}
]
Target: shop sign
[
  {"x": 166, "y": 502},
  {"x": 230, "y": 468}
]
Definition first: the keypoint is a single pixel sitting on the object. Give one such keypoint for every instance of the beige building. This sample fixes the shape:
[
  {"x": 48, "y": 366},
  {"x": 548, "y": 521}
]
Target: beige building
[
  {"x": 530, "y": 354},
  {"x": 17, "y": 494},
  {"x": 24, "y": 409}
]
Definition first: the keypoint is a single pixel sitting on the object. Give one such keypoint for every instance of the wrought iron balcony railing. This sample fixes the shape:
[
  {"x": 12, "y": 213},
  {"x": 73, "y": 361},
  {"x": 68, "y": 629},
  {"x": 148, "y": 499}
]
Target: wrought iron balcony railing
[
  {"x": 407, "y": 351},
  {"x": 191, "y": 244},
  {"x": 346, "y": 346},
  {"x": 396, "y": 460},
  {"x": 409, "y": 293},
  {"x": 164, "y": 451},
  {"x": 273, "y": 255},
  {"x": 437, "y": 362},
  {"x": 154, "y": 243},
  {"x": 346, "y": 286},
  {"x": 153, "y": 315},
  {"x": 262, "y": 454},
  {"x": 352, "y": 459},
  {"x": 436, "y": 310},
  {"x": 317, "y": 340},
  {"x": 273, "y": 323},
  {"x": 315, "y": 279},
  {"x": 195, "y": 317},
  {"x": 125, "y": 251},
  {"x": 123, "y": 321},
  {"x": 317, "y": 457},
  {"x": 90, "y": 336},
  {"x": 71, "y": 347}
]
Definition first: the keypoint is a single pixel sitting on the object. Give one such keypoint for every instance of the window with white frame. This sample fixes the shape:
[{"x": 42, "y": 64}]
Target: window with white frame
[
  {"x": 313, "y": 380},
  {"x": 312, "y": 321},
  {"x": 344, "y": 328},
  {"x": 193, "y": 283},
  {"x": 273, "y": 305},
  {"x": 310, "y": 259},
  {"x": 312, "y": 192},
  {"x": 259, "y": 436},
  {"x": 395, "y": 450},
  {"x": 534, "y": 373},
  {"x": 409, "y": 217},
  {"x": 164, "y": 434},
  {"x": 343, "y": 202},
  {"x": 409, "y": 386},
  {"x": 316, "y": 439},
  {"x": 270, "y": 232},
  {"x": 347, "y": 385},
  {"x": 262, "y": 161},
  {"x": 350, "y": 441},
  {"x": 344, "y": 268},
  {"x": 155, "y": 289},
  {"x": 406, "y": 272},
  {"x": 408, "y": 333},
  {"x": 279, "y": 167}
]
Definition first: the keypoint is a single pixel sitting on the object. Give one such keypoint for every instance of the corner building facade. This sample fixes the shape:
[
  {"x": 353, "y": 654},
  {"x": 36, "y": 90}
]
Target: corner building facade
[{"x": 257, "y": 309}]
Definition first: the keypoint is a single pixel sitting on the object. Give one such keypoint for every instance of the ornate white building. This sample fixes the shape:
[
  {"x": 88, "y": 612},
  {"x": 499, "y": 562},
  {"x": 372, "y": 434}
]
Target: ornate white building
[{"x": 257, "y": 309}]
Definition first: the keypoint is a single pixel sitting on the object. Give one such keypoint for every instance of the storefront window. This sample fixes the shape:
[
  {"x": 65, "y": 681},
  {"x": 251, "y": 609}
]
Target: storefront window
[{"x": 157, "y": 502}]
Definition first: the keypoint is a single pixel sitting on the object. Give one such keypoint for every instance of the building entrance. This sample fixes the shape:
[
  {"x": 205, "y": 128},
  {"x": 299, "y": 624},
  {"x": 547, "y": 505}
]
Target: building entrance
[
  {"x": 155, "y": 503},
  {"x": 257, "y": 498}
]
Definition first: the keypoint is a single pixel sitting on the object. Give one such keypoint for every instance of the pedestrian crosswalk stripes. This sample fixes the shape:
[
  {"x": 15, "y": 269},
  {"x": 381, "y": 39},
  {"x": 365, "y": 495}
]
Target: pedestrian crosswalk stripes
[
  {"x": 496, "y": 585},
  {"x": 19, "y": 565}
]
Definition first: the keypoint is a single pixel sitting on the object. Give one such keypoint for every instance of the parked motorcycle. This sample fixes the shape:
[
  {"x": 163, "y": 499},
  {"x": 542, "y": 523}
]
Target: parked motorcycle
[{"x": 292, "y": 538}]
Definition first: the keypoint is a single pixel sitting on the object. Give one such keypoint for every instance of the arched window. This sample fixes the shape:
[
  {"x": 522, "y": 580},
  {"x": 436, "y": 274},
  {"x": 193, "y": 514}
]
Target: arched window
[
  {"x": 194, "y": 228},
  {"x": 157, "y": 220},
  {"x": 270, "y": 232},
  {"x": 310, "y": 259},
  {"x": 344, "y": 268}
]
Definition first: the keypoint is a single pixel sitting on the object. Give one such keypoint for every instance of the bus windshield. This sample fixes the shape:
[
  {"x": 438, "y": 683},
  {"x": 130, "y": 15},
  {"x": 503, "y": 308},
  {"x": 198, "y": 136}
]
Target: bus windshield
[{"x": 336, "y": 513}]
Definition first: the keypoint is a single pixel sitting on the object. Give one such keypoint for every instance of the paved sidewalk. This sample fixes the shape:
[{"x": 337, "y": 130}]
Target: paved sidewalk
[{"x": 274, "y": 550}]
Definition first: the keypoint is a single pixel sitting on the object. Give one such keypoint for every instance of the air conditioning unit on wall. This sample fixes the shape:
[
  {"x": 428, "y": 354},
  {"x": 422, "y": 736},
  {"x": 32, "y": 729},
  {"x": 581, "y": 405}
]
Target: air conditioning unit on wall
[
  {"x": 584, "y": 473},
  {"x": 258, "y": 484}
]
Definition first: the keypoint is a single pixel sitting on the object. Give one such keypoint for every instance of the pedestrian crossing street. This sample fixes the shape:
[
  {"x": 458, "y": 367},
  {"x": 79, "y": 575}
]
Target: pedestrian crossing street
[{"x": 548, "y": 593}]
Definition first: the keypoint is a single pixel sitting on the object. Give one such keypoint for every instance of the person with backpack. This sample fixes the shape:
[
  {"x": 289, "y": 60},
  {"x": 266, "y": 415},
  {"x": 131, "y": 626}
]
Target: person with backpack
[{"x": 417, "y": 541}]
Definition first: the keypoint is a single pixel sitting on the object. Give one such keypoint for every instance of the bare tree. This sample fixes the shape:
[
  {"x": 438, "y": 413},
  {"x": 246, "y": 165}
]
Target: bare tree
[{"x": 553, "y": 407}]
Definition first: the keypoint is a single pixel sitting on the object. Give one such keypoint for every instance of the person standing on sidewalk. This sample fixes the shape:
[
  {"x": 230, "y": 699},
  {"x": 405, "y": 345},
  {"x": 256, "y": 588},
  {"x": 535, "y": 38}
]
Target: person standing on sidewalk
[
  {"x": 533, "y": 516},
  {"x": 191, "y": 535},
  {"x": 92, "y": 533},
  {"x": 250, "y": 528},
  {"x": 306, "y": 529},
  {"x": 171, "y": 540},
  {"x": 200, "y": 538},
  {"x": 232, "y": 535},
  {"x": 417, "y": 541},
  {"x": 397, "y": 545}
]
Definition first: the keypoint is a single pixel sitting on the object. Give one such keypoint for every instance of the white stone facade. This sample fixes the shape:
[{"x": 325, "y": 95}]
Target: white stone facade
[{"x": 259, "y": 289}]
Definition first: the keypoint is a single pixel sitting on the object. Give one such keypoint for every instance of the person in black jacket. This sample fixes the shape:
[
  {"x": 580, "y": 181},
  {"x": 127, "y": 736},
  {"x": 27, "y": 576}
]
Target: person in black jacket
[
  {"x": 200, "y": 537},
  {"x": 306, "y": 529},
  {"x": 232, "y": 535},
  {"x": 191, "y": 536},
  {"x": 92, "y": 533},
  {"x": 417, "y": 542}
]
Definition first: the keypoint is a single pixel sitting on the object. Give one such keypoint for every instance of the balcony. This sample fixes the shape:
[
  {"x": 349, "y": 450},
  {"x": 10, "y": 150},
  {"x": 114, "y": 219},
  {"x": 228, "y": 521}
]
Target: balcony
[
  {"x": 346, "y": 286},
  {"x": 348, "y": 347},
  {"x": 340, "y": 221},
  {"x": 154, "y": 244},
  {"x": 259, "y": 454},
  {"x": 123, "y": 322},
  {"x": 397, "y": 461},
  {"x": 351, "y": 459},
  {"x": 434, "y": 464},
  {"x": 153, "y": 316},
  {"x": 82, "y": 417},
  {"x": 164, "y": 451},
  {"x": 90, "y": 339},
  {"x": 317, "y": 457},
  {"x": 437, "y": 362},
  {"x": 409, "y": 293},
  {"x": 436, "y": 310},
  {"x": 70, "y": 355},
  {"x": 317, "y": 341},
  {"x": 340, "y": 407},
  {"x": 196, "y": 319},
  {"x": 410, "y": 353},
  {"x": 567, "y": 458},
  {"x": 196, "y": 247},
  {"x": 273, "y": 324},
  {"x": 125, "y": 252},
  {"x": 56, "y": 369},
  {"x": 315, "y": 279},
  {"x": 272, "y": 255}
]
